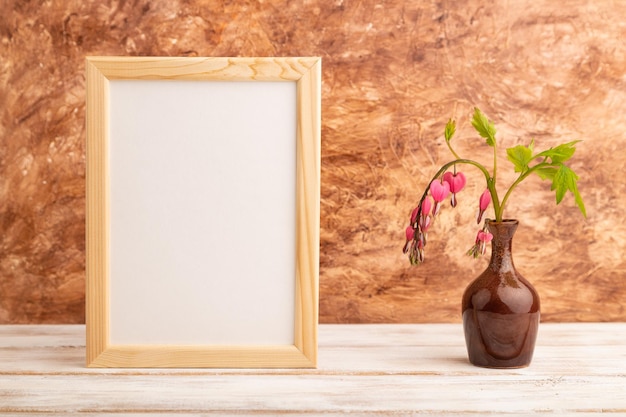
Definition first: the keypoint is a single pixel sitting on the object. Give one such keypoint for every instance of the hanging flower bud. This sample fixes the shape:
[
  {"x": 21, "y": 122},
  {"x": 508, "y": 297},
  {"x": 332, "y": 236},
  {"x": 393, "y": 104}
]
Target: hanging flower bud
[
  {"x": 424, "y": 220},
  {"x": 424, "y": 212},
  {"x": 439, "y": 190},
  {"x": 424, "y": 223},
  {"x": 421, "y": 242},
  {"x": 482, "y": 239},
  {"x": 480, "y": 244},
  {"x": 426, "y": 206},
  {"x": 483, "y": 203},
  {"x": 416, "y": 253},
  {"x": 410, "y": 235},
  {"x": 456, "y": 181},
  {"x": 414, "y": 215},
  {"x": 416, "y": 231}
]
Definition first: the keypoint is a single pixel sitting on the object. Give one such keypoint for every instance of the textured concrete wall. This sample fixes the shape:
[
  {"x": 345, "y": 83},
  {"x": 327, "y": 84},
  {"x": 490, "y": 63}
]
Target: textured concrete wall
[{"x": 393, "y": 72}]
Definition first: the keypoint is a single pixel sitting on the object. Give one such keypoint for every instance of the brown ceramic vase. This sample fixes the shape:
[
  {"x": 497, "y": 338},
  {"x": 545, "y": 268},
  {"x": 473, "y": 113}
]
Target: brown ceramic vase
[{"x": 500, "y": 308}]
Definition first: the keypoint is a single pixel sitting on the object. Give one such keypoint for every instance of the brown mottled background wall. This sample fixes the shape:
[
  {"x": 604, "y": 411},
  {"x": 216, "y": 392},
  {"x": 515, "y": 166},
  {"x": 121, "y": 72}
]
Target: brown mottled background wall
[{"x": 393, "y": 72}]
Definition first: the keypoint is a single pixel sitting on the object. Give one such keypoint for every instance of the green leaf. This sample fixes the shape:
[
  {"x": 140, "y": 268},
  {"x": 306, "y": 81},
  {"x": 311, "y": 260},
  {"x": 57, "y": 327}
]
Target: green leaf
[
  {"x": 520, "y": 156},
  {"x": 484, "y": 127},
  {"x": 546, "y": 173},
  {"x": 561, "y": 153},
  {"x": 566, "y": 180},
  {"x": 450, "y": 130},
  {"x": 579, "y": 201}
]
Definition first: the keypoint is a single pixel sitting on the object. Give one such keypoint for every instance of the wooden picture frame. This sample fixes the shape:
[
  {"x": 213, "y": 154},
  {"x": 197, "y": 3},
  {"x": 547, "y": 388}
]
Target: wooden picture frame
[{"x": 156, "y": 194}]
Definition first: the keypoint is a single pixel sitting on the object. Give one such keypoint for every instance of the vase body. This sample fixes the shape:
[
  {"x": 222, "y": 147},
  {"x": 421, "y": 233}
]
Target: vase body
[{"x": 500, "y": 308}]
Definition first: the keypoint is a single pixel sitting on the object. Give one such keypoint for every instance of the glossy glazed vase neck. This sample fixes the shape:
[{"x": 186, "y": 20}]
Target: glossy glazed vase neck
[
  {"x": 501, "y": 308},
  {"x": 501, "y": 245}
]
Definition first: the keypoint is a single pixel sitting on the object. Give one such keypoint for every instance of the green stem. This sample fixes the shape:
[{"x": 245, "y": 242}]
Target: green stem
[
  {"x": 490, "y": 184},
  {"x": 519, "y": 179},
  {"x": 497, "y": 207},
  {"x": 452, "y": 150}
]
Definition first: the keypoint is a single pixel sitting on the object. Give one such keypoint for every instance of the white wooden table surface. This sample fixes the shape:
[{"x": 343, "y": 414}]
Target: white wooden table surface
[{"x": 371, "y": 370}]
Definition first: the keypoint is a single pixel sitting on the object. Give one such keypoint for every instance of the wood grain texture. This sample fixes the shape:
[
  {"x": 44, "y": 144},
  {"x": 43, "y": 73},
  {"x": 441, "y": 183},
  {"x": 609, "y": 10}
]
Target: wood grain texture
[
  {"x": 308, "y": 186},
  {"x": 306, "y": 73},
  {"x": 422, "y": 369},
  {"x": 97, "y": 221},
  {"x": 192, "y": 68},
  {"x": 394, "y": 72}
]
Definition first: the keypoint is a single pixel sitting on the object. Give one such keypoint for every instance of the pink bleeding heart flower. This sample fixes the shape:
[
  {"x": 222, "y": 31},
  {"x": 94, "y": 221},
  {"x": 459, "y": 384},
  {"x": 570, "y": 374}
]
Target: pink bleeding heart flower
[
  {"x": 457, "y": 182},
  {"x": 482, "y": 239},
  {"x": 416, "y": 231},
  {"x": 439, "y": 190},
  {"x": 415, "y": 249},
  {"x": 424, "y": 221},
  {"x": 414, "y": 214},
  {"x": 480, "y": 245},
  {"x": 425, "y": 211},
  {"x": 483, "y": 203},
  {"x": 410, "y": 235},
  {"x": 426, "y": 206}
]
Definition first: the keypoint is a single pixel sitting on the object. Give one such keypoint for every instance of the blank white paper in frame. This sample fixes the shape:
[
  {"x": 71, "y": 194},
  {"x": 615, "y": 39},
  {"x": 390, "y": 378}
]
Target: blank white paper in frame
[
  {"x": 202, "y": 212},
  {"x": 199, "y": 222}
]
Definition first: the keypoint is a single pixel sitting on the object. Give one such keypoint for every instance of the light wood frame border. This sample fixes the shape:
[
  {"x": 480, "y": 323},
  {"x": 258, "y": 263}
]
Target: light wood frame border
[{"x": 306, "y": 72}]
